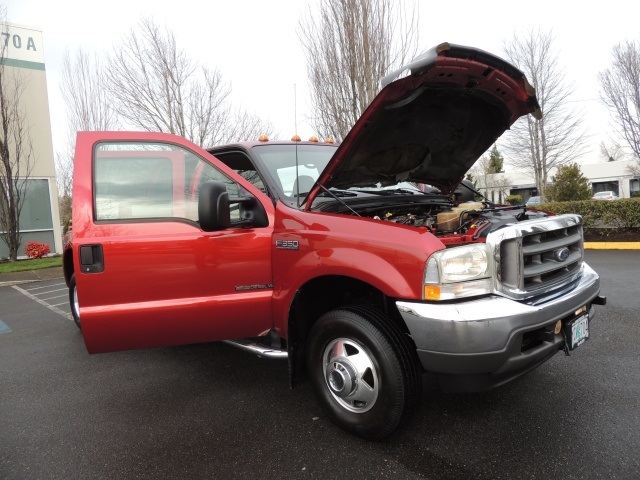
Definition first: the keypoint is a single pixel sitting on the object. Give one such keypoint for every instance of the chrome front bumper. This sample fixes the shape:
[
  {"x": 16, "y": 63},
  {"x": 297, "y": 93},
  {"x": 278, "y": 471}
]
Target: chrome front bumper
[{"x": 478, "y": 344}]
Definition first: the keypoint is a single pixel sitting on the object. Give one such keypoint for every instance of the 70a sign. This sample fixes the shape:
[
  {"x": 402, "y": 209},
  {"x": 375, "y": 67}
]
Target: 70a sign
[
  {"x": 17, "y": 41},
  {"x": 21, "y": 43}
]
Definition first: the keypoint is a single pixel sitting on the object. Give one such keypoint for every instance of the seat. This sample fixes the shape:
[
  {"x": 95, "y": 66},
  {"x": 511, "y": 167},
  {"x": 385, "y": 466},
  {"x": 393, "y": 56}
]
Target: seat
[{"x": 304, "y": 183}]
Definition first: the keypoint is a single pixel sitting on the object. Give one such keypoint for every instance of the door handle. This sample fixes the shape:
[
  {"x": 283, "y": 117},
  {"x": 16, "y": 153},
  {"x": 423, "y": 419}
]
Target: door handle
[{"x": 91, "y": 259}]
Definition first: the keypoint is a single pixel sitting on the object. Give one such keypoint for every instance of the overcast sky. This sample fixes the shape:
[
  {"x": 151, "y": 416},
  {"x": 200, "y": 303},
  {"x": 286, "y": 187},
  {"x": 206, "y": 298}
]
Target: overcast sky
[{"x": 255, "y": 46}]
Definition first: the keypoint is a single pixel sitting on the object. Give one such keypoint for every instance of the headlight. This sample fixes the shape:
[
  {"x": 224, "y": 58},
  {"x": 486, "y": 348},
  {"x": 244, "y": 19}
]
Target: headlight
[{"x": 459, "y": 272}]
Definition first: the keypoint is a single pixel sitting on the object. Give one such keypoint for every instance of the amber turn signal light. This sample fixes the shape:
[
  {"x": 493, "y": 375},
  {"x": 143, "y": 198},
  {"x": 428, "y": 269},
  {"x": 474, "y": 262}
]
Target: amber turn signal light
[{"x": 431, "y": 292}]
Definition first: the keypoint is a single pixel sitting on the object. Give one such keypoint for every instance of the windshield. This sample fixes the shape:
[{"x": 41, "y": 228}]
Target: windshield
[{"x": 280, "y": 162}]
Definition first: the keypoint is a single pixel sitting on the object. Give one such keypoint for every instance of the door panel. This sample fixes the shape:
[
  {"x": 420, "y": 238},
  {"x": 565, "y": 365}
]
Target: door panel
[{"x": 163, "y": 281}]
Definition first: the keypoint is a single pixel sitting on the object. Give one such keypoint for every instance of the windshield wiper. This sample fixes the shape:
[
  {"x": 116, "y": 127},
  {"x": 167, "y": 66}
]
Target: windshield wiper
[
  {"x": 336, "y": 193},
  {"x": 390, "y": 191},
  {"x": 330, "y": 193},
  {"x": 407, "y": 190}
]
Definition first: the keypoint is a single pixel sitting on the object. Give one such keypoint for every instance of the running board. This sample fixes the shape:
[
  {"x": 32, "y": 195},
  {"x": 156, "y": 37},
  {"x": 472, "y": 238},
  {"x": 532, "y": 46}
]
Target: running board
[{"x": 260, "y": 350}]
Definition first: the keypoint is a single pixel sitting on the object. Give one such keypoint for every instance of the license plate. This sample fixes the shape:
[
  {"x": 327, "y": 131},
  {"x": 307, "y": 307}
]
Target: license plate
[{"x": 578, "y": 330}]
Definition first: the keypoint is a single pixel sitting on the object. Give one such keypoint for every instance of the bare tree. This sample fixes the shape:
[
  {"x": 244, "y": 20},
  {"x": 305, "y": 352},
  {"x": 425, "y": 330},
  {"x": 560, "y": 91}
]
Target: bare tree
[
  {"x": 557, "y": 138},
  {"x": 480, "y": 172},
  {"x": 612, "y": 151},
  {"x": 489, "y": 179},
  {"x": 633, "y": 168},
  {"x": 502, "y": 184},
  {"x": 621, "y": 92},
  {"x": 84, "y": 89},
  {"x": 156, "y": 87},
  {"x": 17, "y": 156},
  {"x": 64, "y": 180},
  {"x": 89, "y": 107},
  {"x": 350, "y": 45}
]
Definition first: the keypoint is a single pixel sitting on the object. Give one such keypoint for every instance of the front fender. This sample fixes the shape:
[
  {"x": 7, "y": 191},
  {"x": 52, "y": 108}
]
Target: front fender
[
  {"x": 310, "y": 245},
  {"x": 359, "y": 264}
]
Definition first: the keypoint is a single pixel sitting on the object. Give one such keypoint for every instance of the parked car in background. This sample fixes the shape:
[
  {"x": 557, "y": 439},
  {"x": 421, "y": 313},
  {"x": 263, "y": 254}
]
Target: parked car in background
[
  {"x": 606, "y": 195},
  {"x": 533, "y": 201}
]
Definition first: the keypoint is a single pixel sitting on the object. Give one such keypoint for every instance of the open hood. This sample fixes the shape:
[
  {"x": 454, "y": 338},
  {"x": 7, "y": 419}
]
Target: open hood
[{"x": 431, "y": 121}]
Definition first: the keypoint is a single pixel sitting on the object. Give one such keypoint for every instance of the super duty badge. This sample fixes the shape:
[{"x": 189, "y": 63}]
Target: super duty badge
[{"x": 287, "y": 244}]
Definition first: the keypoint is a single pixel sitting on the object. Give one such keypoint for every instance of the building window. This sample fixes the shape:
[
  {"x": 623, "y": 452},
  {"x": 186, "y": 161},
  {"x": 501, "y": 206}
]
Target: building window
[
  {"x": 36, "y": 222},
  {"x": 36, "y": 211},
  {"x": 606, "y": 186}
]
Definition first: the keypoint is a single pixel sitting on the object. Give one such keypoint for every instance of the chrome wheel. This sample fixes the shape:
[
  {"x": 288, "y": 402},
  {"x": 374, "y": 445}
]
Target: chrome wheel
[
  {"x": 350, "y": 375},
  {"x": 76, "y": 305},
  {"x": 364, "y": 370}
]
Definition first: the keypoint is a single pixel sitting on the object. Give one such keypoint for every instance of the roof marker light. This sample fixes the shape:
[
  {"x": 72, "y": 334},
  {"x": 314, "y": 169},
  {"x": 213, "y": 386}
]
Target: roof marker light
[
  {"x": 295, "y": 138},
  {"x": 263, "y": 138},
  {"x": 313, "y": 139}
]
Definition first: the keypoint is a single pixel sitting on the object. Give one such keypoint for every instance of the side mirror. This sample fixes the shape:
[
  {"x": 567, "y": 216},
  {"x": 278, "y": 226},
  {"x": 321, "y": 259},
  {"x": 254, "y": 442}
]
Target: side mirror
[{"x": 214, "y": 209}]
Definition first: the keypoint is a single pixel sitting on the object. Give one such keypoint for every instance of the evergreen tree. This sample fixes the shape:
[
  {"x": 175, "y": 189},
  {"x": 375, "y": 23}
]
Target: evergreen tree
[
  {"x": 569, "y": 184},
  {"x": 474, "y": 181},
  {"x": 496, "y": 161}
]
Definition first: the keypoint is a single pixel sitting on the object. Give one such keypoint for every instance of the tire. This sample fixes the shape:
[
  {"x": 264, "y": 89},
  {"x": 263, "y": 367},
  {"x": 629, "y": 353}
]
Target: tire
[
  {"x": 73, "y": 301},
  {"x": 364, "y": 370}
]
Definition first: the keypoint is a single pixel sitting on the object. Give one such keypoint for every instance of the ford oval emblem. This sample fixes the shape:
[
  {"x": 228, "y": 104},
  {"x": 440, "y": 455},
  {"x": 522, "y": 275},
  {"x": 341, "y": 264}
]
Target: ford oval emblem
[{"x": 561, "y": 254}]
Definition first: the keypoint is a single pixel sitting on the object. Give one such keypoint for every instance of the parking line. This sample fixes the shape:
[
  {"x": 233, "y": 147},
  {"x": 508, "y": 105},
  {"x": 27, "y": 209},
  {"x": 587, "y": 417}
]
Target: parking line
[
  {"x": 58, "y": 296},
  {"x": 46, "y": 286},
  {"x": 43, "y": 303},
  {"x": 50, "y": 291},
  {"x": 58, "y": 304}
]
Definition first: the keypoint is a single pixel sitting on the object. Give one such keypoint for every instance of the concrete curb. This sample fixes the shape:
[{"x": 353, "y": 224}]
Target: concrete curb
[
  {"x": 16, "y": 282},
  {"x": 612, "y": 245},
  {"x": 30, "y": 276}
]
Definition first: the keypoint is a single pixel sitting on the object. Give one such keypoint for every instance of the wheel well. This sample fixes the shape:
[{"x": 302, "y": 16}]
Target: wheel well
[
  {"x": 321, "y": 295},
  {"x": 67, "y": 265}
]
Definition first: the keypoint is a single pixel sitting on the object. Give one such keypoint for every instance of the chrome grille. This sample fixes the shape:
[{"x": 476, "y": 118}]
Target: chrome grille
[{"x": 537, "y": 256}]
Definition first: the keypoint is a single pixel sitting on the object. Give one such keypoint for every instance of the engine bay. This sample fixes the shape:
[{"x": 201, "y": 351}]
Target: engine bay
[{"x": 452, "y": 223}]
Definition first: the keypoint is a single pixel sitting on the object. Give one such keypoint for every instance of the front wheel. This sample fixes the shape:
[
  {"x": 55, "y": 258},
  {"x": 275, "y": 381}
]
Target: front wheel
[
  {"x": 364, "y": 370},
  {"x": 73, "y": 301}
]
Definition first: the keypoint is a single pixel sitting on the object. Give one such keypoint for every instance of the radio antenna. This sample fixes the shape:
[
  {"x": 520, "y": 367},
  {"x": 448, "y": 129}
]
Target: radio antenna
[
  {"x": 295, "y": 140},
  {"x": 295, "y": 110}
]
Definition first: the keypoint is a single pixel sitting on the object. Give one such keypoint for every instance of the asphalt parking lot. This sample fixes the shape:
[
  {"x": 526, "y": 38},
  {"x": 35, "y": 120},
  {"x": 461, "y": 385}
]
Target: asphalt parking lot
[
  {"x": 211, "y": 411},
  {"x": 52, "y": 294}
]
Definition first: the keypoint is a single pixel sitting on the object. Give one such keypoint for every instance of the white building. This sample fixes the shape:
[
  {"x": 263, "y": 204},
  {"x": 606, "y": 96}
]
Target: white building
[
  {"x": 39, "y": 220},
  {"x": 602, "y": 176}
]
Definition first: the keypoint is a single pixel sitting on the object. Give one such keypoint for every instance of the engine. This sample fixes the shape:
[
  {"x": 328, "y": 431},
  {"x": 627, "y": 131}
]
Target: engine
[{"x": 474, "y": 220}]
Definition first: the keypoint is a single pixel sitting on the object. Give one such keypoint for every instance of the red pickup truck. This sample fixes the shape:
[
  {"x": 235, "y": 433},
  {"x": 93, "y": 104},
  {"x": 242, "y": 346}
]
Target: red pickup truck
[{"x": 328, "y": 255}]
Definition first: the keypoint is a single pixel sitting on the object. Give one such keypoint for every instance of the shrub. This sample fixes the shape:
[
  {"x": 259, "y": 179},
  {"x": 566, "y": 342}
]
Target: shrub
[
  {"x": 36, "y": 249},
  {"x": 623, "y": 213},
  {"x": 513, "y": 199}
]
